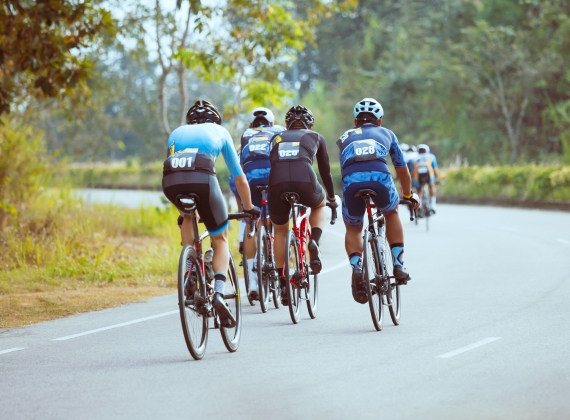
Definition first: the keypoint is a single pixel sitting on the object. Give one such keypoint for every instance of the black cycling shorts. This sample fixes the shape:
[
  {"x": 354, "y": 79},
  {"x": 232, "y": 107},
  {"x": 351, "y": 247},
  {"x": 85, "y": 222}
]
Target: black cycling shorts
[
  {"x": 297, "y": 177},
  {"x": 211, "y": 205}
]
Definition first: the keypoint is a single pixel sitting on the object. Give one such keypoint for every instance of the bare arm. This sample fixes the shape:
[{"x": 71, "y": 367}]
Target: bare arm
[
  {"x": 243, "y": 191},
  {"x": 405, "y": 179}
]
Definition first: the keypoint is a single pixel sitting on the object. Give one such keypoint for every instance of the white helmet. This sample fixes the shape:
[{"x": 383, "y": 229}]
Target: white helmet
[
  {"x": 405, "y": 147},
  {"x": 423, "y": 147},
  {"x": 368, "y": 105},
  {"x": 261, "y": 113}
]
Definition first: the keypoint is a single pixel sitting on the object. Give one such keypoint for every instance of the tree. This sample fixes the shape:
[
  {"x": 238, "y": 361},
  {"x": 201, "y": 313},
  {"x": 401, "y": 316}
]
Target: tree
[{"x": 42, "y": 46}]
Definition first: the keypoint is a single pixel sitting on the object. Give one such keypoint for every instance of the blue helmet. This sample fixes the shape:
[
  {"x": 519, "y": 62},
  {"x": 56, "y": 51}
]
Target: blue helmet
[{"x": 368, "y": 105}]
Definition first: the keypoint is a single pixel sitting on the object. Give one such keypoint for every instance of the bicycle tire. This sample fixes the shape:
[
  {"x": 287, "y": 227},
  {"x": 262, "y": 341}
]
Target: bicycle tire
[
  {"x": 370, "y": 271},
  {"x": 393, "y": 296},
  {"x": 231, "y": 336},
  {"x": 262, "y": 275},
  {"x": 274, "y": 281},
  {"x": 312, "y": 294},
  {"x": 194, "y": 323},
  {"x": 426, "y": 205},
  {"x": 246, "y": 278},
  {"x": 292, "y": 267}
]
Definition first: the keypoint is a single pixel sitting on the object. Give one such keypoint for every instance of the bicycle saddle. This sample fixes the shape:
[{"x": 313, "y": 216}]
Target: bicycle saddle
[
  {"x": 261, "y": 188},
  {"x": 189, "y": 202},
  {"x": 365, "y": 193},
  {"x": 290, "y": 196}
]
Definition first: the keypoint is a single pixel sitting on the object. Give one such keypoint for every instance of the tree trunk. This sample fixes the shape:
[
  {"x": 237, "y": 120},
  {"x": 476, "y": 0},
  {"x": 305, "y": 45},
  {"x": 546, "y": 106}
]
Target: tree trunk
[
  {"x": 163, "y": 106},
  {"x": 183, "y": 93}
]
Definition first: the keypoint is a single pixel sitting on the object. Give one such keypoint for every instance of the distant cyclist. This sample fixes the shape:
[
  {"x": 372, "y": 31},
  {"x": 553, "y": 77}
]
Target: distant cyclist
[
  {"x": 410, "y": 154},
  {"x": 363, "y": 158},
  {"x": 424, "y": 171},
  {"x": 292, "y": 154},
  {"x": 189, "y": 168},
  {"x": 254, "y": 159}
]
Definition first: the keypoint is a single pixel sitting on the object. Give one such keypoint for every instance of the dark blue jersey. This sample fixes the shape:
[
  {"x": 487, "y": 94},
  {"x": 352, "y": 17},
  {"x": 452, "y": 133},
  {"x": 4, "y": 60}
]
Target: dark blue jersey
[
  {"x": 255, "y": 147},
  {"x": 366, "y": 148}
]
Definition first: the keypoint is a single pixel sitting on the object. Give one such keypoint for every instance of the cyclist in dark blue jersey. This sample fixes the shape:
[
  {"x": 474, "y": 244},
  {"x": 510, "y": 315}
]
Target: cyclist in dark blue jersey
[
  {"x": 189, "y": 168},
  {"x": 363, "y": 156},
  {"x": 254, "y": 159}
]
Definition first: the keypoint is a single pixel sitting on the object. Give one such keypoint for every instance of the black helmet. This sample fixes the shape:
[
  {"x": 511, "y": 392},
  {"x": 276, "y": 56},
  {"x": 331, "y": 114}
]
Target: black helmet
[
  {"x": 202, "y": 112},
  {"x": 301, "y": 114}
]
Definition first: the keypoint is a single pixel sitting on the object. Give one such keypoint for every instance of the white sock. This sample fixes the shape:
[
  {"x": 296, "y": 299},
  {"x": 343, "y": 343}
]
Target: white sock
[
  {"x": 432, "y": 202},
  {"x": 252, "y": 276},
  {"x": 241, "y": 233},
  {"x": 219, "y": 286}
]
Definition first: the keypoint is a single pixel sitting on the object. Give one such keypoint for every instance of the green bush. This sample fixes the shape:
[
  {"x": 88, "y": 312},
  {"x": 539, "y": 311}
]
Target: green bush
[{"x": 523, "y": 183}]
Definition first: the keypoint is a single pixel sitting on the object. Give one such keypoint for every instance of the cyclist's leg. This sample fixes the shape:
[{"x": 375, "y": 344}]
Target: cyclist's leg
[{"x": 432, "y": 194}]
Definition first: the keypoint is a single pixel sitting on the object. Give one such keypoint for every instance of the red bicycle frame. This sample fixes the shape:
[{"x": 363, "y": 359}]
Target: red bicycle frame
[{"x": 302, "y": 232}]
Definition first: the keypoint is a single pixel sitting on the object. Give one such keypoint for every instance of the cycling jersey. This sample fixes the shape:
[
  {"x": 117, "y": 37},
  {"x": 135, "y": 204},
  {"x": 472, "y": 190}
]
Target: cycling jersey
[
  {"x": 197, "y": 146},
  {"x": 366, "y": 148},
  {"x": 423, "y": 168},
  {"x": 255, "y": 144}
]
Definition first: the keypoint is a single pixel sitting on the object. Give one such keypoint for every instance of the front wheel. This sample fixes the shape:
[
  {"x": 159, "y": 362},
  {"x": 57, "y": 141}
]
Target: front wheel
[
  {"x": 231, "y": 336},
  {"x": 191, "y": 301},
  {"x": 393, "y": 294},
  {"x": 292, "y": 273},
  {"x": 246, "y": 278},
  {"x": 372, "y": 279},
  {"x": 263, "y": 266},
  {"x": 312, "y": 294}
]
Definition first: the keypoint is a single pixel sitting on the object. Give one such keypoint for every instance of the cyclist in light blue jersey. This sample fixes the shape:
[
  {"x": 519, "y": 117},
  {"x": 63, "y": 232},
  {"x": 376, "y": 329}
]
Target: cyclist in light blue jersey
[{"x": 190, "y": 168}]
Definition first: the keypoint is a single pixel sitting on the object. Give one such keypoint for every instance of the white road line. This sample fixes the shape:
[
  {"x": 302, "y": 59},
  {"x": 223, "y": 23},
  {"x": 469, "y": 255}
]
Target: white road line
[
  {"x": 563, "y": 241},
  {"x": 110, "y": 327},
  {"x": 469, "y": 347},
  {"x": 11, "y": 350},
  {"x": 334, "y": 267}
]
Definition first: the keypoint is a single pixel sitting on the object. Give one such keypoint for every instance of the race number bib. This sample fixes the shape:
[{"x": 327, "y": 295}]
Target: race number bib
[
  {"x": 288, "y": 151},
  {"x": 183, "y": 160},
  {"x": 259, "y": 146},
  {"x": 365, "y": 150}
]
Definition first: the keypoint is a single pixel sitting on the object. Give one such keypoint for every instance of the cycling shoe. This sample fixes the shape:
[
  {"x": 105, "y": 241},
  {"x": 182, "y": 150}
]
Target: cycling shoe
[
  {"x": 358, "y": 291},
  {"x": 401, "y": 274},
  {"x": 226, "y": 317},
  {"x": 315, "y": 256}
]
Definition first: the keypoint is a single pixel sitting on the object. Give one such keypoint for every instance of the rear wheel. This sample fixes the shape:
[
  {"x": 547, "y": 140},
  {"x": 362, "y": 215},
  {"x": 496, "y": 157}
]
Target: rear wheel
[
  {"x": 263, "y": 259},
  {"x": 231, "y": 336},
  {"x": 426, "y": 205},
  {"x": 371, "y": 273},
  {"x": 292, "y": 272},
  {"x": 246, "y": 277},
  {"x": 191, "y": 301},
  {"x": 312, "y": 292},
  {"x": 393, "y": 297}
]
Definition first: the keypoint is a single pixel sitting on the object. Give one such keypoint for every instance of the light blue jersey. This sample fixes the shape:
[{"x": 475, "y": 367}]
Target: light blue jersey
[{"x": 210, "y": 139}]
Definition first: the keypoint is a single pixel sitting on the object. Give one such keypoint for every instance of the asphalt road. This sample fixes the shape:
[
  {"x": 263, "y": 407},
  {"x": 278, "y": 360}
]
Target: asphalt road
[{"x": 484, "y": 334}]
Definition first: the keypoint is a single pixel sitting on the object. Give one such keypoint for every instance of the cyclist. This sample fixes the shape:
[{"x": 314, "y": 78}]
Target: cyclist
[
  {"x": 189, "y": 168},
  {"x": 424, "y": 171},
  {"x": 254, "y": 159},
  {"x": 291, "y": 155},
  {"x": 363, "y": 153}
]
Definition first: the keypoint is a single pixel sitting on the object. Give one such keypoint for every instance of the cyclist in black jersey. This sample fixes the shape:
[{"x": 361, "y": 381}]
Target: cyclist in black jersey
[{"x": 291, "y": 156}]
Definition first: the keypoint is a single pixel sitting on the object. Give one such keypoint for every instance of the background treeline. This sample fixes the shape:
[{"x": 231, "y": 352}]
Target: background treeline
[{"x": 484, "y": 82}]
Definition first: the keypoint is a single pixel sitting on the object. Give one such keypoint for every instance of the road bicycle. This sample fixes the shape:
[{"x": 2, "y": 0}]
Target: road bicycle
[
  {"x": 425, "y": 211},
  {"x": 268, "y": 278},
  {"x": 297, "y": 273},
  {"x": 195, "y": 290},
  {"x": 377, "y": 265}
]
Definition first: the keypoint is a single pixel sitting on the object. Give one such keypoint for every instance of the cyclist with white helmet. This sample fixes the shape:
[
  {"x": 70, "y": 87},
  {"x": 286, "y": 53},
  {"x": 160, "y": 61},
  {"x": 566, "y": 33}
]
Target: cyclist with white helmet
[
  {"x": 424, "y": 171},
  {"x": 363, "y": 158},
  {"x": 254, "y": 159}
]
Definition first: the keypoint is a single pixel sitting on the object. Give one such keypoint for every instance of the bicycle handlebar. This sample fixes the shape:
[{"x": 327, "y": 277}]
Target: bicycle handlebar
[
  {"x": 239, "y": 216},
  {"x": 410, "y": 207},
  {"x": 333, "y": 216}
]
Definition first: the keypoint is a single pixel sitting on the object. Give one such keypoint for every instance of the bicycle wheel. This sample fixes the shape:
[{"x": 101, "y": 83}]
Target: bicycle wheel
[
  {"x": 393, "y": 296},
  {"x": 262, "y": 268},
  {"x": 191, "y": 304},
  {"x": 274, "y": 278},
  {"x": 292, "y": 272},
  {"x": 370, "y": 273},
  {"x": 231, "y": 336},
  {"x": 426, "y": 205},
  {"x": 312, "y": 294},
  {"x": 246, "y": 277}
]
